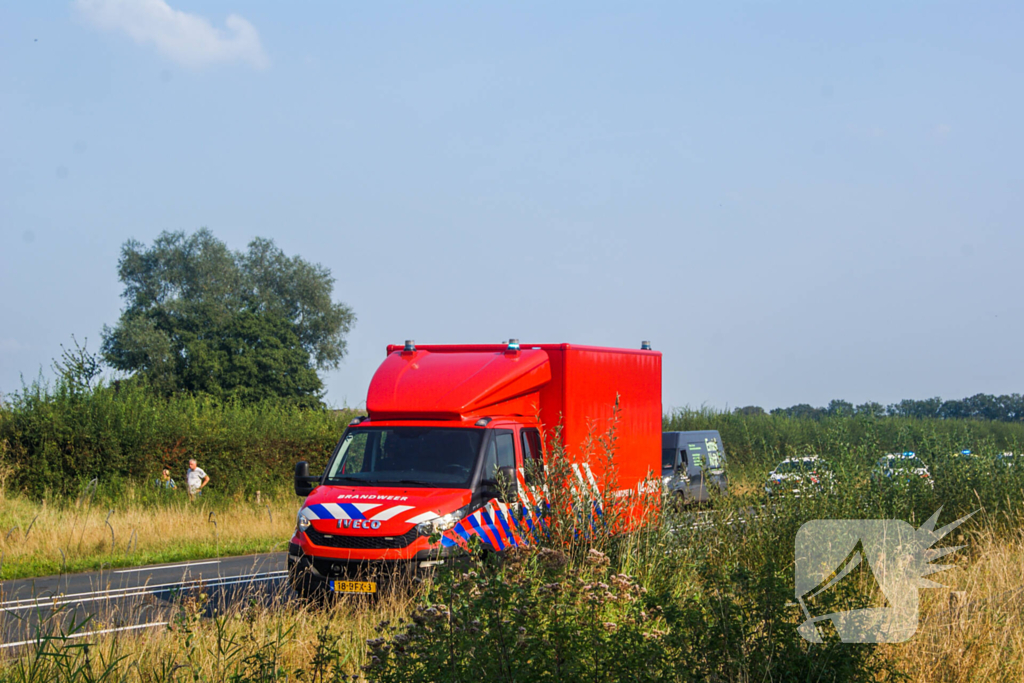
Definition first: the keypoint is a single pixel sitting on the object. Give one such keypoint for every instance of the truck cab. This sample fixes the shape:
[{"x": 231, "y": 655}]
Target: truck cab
[{"x": 454, "y": 445}]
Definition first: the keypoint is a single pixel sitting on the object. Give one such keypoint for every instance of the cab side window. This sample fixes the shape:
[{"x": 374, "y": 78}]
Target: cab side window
[
  {"x": 500, "y": 452},
  {"x": 506, "y": 449},
  {"x": 533, "y": 458}
]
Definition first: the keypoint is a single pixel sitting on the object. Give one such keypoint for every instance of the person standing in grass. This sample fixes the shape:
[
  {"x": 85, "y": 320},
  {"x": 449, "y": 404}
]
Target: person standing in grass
[
  {"x": 197, "y": 479},
  {"x": 165, "y": 480}
]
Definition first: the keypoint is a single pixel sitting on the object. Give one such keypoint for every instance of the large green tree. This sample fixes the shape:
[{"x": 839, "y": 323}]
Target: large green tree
[{"x": 247, "y": 325}]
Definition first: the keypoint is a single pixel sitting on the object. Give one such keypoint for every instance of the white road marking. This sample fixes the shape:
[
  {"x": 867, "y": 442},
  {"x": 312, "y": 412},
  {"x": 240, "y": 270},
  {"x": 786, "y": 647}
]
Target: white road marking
[
  {"x": 165, "y": 566},
  {"x": 135, "y": 591},
  {"x": 89, "y": 633}
]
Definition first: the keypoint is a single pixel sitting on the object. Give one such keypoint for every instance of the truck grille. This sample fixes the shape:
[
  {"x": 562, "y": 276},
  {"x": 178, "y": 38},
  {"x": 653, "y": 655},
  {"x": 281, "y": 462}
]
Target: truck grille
[{"x": 361, "y": 542}]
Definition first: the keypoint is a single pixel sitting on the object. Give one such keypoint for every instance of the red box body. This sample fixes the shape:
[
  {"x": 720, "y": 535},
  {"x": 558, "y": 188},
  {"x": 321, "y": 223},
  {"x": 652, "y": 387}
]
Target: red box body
[{"x": 561, "y": 384}]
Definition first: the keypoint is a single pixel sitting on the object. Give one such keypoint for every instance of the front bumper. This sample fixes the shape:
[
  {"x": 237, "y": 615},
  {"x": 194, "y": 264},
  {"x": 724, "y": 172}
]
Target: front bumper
[{"x": 319, "y": 563}]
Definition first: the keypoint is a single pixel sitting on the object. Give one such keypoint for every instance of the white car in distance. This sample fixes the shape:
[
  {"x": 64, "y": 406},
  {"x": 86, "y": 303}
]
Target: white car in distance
[
  {"x": 800, "y": 477},
  {"x": 903, "y": 466}
]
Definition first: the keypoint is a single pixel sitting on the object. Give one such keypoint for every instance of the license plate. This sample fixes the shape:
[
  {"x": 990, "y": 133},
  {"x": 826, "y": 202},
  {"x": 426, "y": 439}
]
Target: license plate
[{"x": 353, "y": 586}]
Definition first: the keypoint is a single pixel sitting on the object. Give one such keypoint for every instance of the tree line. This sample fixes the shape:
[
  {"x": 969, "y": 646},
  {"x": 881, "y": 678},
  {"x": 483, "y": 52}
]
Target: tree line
[{"x": 1005, "y": 408}]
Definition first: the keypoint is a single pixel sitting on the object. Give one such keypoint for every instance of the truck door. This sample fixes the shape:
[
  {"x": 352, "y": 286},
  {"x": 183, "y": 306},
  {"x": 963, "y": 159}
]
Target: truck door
[
  {"x": 495, "y": 494},
  {"x": 500, "y": 452},
  {"x": 696, "y": 461}
]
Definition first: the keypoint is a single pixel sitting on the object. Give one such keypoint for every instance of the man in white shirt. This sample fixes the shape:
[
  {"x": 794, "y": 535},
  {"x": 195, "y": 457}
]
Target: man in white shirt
[{"x": 197, "y": 479}]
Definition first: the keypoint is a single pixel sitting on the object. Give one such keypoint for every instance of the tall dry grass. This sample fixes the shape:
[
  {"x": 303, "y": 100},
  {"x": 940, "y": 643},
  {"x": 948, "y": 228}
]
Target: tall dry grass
[
  {"x": 251, "y": 642},
  {"x": 974, "y": 630},
  {"x": 38, "y": 539}
]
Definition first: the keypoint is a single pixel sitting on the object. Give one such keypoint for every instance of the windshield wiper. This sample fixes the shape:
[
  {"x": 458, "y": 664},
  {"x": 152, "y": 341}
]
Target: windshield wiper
[
  {"x": 411, "y": 482},
  {"x": 348, "y": 478}
]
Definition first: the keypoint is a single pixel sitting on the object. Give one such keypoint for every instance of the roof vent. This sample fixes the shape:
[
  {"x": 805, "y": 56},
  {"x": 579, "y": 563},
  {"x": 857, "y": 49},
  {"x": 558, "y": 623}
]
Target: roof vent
[{"x": 645, "y": 346}]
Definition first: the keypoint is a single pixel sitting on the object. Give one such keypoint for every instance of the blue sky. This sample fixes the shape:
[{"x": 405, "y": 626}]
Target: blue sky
[{"x": 794, "y": 201}]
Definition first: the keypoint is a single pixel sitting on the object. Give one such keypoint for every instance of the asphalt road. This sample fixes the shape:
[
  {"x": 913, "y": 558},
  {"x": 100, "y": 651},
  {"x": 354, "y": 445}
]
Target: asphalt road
[{"x": 133, "y": 598}]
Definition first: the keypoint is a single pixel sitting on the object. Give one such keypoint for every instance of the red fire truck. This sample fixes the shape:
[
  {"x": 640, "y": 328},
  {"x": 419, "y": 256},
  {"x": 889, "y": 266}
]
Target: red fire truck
[{"x": 445, "y": 425}]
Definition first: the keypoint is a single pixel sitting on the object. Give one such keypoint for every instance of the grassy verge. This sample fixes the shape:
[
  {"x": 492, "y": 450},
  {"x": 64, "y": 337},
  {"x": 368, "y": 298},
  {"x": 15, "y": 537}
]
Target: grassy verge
[
  {"x": 971, "y": 631},
  {"x": 39, "y": 539},
  {"x": 250, "y": 643}
]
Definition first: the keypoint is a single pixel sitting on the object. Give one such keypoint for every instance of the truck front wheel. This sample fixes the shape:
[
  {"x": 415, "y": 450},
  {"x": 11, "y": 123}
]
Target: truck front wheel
[{"x": 305, "y": 583}]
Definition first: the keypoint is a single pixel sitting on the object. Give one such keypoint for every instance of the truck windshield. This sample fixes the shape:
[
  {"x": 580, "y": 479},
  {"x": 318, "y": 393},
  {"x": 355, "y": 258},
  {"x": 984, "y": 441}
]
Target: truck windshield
[{"x": 417, "y": 456}]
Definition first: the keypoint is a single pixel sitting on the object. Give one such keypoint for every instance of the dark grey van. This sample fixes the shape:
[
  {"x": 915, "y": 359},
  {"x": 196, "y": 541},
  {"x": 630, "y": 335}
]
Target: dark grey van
[{"x": 691, "y": 462}]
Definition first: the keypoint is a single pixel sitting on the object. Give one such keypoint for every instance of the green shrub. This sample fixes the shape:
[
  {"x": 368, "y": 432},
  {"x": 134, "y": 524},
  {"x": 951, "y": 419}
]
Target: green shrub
[
  {"x": 56, "y": 440},
  {"x": 670, "y": 601}
]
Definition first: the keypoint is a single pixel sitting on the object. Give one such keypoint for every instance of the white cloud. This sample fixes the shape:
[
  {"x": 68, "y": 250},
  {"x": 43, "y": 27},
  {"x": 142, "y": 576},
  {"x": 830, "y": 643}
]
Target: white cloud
[{"x": 188, "y": 39}]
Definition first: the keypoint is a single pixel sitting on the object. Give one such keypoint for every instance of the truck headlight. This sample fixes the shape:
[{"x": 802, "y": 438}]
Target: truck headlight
[
  {"x": 442, "y": 523},
  {"x": 302, "y": 522}
]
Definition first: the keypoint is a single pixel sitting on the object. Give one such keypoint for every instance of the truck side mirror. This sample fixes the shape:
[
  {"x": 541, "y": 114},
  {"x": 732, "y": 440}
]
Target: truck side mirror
[
  {"x": 507, "y": 474},
  {"x": 502, "y": 485},
  {"x": 304, "y": 483}
]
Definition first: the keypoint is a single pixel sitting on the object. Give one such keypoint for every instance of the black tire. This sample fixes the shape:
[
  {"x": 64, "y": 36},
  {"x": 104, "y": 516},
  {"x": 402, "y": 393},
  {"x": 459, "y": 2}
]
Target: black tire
[{"x": 307, "y": 585}]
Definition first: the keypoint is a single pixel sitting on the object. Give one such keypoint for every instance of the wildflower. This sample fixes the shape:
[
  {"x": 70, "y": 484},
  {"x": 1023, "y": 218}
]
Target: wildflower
[
  {"x": 623, "y": 581},
  {"x": 553, "y": 558},
  {"x": 596, "y": 557},
  {"x": 610, "y": 626}
]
